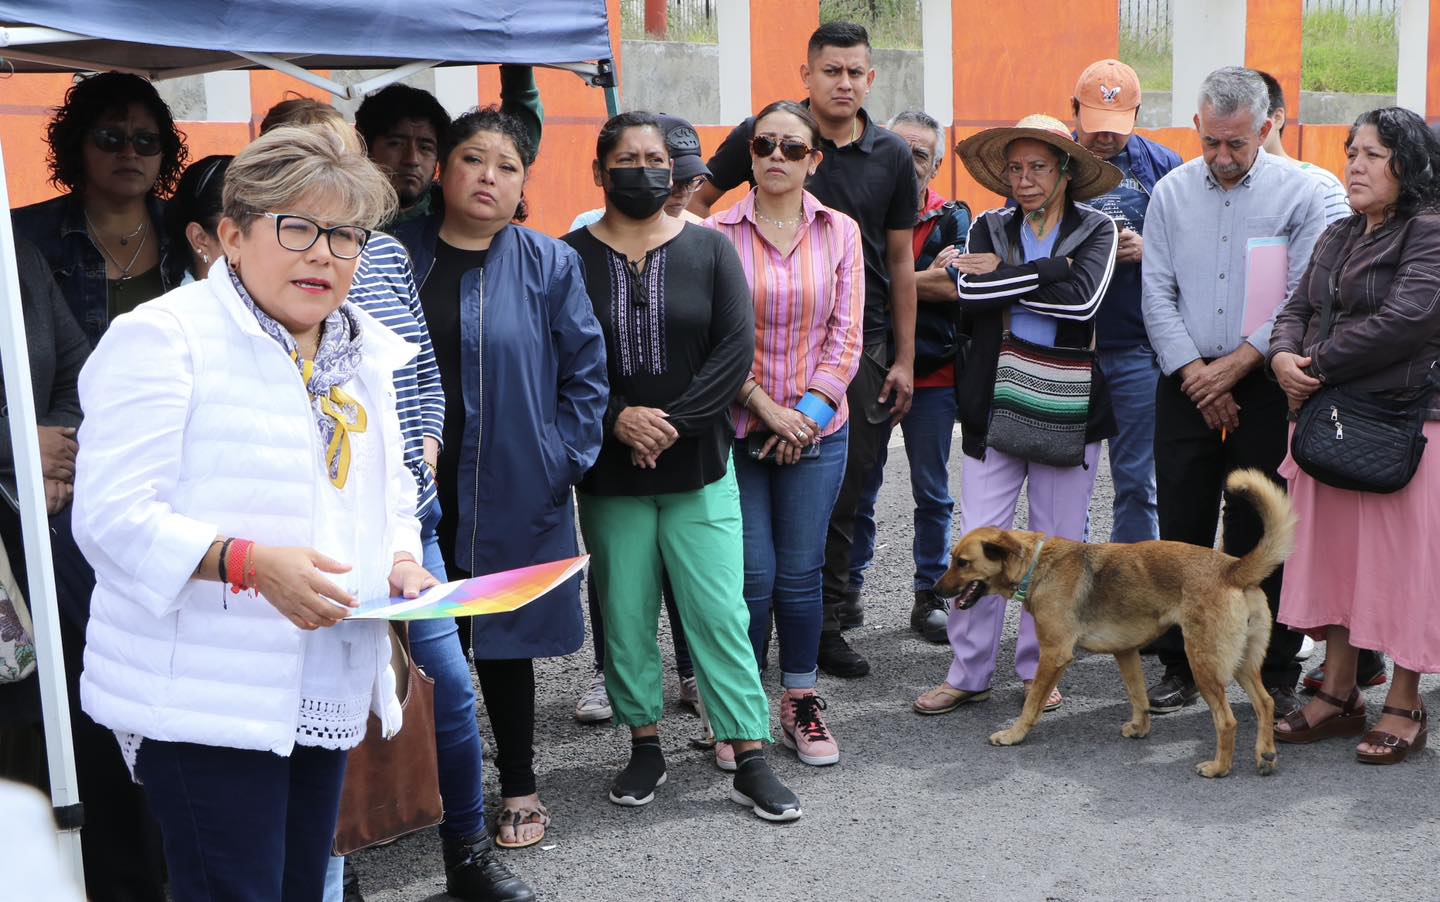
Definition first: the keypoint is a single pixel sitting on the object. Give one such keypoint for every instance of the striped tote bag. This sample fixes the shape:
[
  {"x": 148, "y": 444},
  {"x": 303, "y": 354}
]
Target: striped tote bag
[{"x": 1041, "y": 403}]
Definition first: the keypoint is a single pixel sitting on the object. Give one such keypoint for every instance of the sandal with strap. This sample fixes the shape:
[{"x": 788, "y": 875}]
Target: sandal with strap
[
  {"x": 515, "y": 818},
  {"x": 1399, "y": 749},
  {"x": 1348, "y": 721},
  {"x": 946, "y": 698}
]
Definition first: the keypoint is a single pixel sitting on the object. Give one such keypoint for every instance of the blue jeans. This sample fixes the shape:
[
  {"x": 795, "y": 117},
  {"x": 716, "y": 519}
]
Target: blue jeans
[
  {"x": 786, "y": 512},
  {"x": 241, "y": 824},
  {"x": 1132, "y": 374},
  {"x": 928, "y": 429}
]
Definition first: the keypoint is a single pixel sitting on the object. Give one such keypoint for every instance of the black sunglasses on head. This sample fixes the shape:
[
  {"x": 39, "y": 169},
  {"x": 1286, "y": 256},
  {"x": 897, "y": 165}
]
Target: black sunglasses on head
[
  {"x": 791, "y": 149},
  {"x": 113, "y": 140}
]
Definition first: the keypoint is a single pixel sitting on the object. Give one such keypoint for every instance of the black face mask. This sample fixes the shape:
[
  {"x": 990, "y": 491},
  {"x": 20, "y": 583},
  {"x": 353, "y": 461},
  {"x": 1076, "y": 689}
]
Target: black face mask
[{"x": 638, "y": 193}]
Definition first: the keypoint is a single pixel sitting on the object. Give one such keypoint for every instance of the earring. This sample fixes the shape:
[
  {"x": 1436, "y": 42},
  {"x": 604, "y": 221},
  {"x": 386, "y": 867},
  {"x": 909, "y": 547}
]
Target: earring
[{"x": 204, "y": 257}]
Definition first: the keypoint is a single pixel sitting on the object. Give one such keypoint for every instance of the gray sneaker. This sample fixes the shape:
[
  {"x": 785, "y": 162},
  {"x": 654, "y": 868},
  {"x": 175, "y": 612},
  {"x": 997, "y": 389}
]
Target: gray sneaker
[{"x": 594, "y": 704}]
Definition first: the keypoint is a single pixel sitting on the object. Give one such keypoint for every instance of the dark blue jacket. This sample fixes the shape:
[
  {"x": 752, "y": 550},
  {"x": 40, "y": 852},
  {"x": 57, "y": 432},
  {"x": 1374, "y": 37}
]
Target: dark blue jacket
[
  {"x": 1119, "y": 323},
  {"x": 57, "y": 227},
  {"x": 533, "y": 363}
]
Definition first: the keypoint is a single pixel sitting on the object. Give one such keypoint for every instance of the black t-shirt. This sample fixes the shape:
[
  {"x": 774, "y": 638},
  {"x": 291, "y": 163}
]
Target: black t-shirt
[
  {"x": 440, "y": 297},
  {"x": 871, "y": 180},
  {"x": 680, "y": 336}
]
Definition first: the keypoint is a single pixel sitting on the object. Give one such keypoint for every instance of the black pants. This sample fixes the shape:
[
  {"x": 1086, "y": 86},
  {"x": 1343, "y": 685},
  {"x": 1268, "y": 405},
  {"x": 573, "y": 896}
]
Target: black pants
[
  {"x": 1191, "y": 464},
  {"x": 867, "y": 441},
  {"x": 683, "y": 665}
]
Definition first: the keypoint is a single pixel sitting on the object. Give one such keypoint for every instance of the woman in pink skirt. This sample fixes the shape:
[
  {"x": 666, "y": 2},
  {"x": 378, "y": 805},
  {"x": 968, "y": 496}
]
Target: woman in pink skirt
[{"x": 1365, "y": 570}]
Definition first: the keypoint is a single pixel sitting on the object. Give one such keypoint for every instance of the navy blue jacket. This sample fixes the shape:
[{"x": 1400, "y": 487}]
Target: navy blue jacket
[
  {"x": 1119, "y": 323},
  {"x": 57, "y": 228},
  {"x": 535, "y": 387}
]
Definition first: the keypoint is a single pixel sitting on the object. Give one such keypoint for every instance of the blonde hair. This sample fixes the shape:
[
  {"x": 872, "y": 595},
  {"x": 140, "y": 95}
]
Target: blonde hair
[
  {"x": 305, "y": 112},
  {"x": 288, "y": 163}
]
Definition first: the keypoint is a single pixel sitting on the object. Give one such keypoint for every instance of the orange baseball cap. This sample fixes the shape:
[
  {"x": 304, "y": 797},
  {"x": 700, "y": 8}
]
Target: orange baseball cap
[{"x": 1109, "y": 95}]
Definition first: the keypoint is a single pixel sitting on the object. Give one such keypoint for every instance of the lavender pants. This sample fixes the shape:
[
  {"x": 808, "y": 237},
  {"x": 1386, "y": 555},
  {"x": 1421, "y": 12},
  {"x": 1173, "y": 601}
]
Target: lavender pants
[{"x": 989, "y": 490}]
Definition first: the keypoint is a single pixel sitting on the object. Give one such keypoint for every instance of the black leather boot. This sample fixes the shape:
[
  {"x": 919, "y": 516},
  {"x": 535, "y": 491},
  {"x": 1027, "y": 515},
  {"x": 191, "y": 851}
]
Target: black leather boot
[
  {"x": 472, "y": 872},
  {"x": 930, "y": 616},
  {"x": 849, "y": 610}
]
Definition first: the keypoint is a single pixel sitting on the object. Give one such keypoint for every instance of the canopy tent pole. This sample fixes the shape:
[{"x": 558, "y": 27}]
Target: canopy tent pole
[{"x": 35, "y": 527}]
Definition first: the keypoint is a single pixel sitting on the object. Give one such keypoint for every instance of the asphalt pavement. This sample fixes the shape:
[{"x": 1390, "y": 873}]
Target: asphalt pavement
[{"x": 923, "y": 808}]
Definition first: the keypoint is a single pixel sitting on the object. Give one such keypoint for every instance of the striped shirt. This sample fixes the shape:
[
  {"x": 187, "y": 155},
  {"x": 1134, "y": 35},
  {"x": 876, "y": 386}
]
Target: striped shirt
[
  {"x": 809, "y": 306},
  {"x": 1337, "y": 199},
  {"x": 384, "y": 287}
]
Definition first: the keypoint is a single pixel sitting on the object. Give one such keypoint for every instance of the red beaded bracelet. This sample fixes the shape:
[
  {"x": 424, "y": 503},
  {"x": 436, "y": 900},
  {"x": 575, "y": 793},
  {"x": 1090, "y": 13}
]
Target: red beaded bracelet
[{"x": 236, "y": 564}]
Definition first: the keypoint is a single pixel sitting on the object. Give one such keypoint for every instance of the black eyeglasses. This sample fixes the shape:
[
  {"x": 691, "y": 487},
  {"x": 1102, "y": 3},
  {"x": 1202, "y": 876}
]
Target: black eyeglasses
[
  {"x": 113, "y": 140},
  {"x": 791, "y": 149},
  {"x": 296, "y": 233}
]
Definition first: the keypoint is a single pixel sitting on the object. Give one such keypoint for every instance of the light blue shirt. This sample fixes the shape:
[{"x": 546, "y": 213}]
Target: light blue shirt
[
  {"x": 1196, "y": 238},
  {"x": 1036, "y": 328}
]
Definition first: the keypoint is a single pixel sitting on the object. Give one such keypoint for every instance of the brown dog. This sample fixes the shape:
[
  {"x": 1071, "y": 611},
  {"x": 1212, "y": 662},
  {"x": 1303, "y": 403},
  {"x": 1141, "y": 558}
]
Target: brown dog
[{"x": 1116, "y": 598}]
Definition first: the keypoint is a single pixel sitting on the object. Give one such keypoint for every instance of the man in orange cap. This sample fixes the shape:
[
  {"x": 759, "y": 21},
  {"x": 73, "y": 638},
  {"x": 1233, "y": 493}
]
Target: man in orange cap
[{"x": 1107, "y": 99}]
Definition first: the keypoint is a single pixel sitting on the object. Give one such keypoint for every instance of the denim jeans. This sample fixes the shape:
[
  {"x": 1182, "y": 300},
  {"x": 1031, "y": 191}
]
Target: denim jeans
[
  {"x": 1132, "y": 374},
  {"x": 928, "y": 429},
  {"x": 786, "y": 512}
]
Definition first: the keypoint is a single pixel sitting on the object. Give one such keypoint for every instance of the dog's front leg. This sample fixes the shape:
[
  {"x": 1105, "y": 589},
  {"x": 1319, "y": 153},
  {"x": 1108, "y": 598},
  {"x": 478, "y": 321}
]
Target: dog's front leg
[{"x": 1047, "y": 677}]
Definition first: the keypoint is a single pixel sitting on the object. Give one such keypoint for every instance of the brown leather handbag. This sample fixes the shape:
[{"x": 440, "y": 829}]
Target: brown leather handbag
[{"x": 392, "y": 786}]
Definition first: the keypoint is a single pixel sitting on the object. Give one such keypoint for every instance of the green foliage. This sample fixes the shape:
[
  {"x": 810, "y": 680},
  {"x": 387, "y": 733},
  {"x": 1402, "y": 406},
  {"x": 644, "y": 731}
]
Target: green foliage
[
  {"x": 1348, "y": 53},
  {"x": 687, "y": 25},
  {"x": 1152, "y": 60},
  {"x": 891, "y": 23}
]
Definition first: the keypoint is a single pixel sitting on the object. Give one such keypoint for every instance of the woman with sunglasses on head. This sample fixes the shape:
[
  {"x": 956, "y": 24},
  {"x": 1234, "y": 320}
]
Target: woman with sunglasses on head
[
  {"x": 679, "y": 331},
  {"x": 239, "y": 494},
  {"x": 522, "y": 363},
  {"x": 807, "y": 281},
  {"x": 192, "y": 217},
  {"x": 115, "y": 150}
]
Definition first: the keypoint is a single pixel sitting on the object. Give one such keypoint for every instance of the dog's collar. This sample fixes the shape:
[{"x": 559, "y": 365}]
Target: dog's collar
[{"x": 1023, "y": 592}]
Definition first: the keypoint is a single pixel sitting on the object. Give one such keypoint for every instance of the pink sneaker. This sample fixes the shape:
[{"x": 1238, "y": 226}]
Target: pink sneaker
[
  {"x": 802, "y": 727},
  {"x": 725, "y": 756}
]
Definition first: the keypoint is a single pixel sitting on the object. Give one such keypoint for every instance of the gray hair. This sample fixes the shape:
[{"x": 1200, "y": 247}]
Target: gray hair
[
  {"x": 922, "y": 119},
  {"x": 1235, "y": 89},
  {"x": 287, "y": 163}
]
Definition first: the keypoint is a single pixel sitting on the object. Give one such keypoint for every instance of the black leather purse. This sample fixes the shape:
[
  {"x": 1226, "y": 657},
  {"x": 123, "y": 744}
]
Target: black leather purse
[{"x": 1359, "y": 441}]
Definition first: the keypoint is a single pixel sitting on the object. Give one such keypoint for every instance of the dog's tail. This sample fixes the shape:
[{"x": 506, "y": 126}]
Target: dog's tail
[{"x": 1278, "y": 539}]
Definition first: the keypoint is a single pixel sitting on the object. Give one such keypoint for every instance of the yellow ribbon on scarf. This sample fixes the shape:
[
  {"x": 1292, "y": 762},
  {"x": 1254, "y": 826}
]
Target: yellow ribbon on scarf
[{"x": 335, "y": 406}]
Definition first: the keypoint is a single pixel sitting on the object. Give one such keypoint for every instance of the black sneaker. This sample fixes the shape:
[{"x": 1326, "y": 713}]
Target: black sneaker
[
  {"x": 837, "y": 658},
  {"x": 1369, "y": 671},
  {"x": 635, "y": 785},
  {"x": 930, "y": 616},
  {"x": 756, "y": 786},
  {"x": 472, "y": 872},
  {"x": 1172, "y": 693},
  {"x": 849, "y": 611},
  {"x": 1287, "y": 700}
]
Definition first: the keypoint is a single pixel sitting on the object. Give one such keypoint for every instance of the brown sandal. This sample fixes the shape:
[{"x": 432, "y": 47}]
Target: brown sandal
[
  {"x": 515, "y": 818},
  {"x": 1348, "y": 721},
  {"x": 1399, "y": 748}
]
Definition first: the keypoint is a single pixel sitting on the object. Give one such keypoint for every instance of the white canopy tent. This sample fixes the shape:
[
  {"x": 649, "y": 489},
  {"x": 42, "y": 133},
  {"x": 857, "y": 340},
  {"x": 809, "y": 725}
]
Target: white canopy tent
[{"x": 173, "y": 38}]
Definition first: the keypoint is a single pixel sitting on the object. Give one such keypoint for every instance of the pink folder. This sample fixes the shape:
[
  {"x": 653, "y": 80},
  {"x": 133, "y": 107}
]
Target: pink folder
[{"x": 1267, "y": 273}]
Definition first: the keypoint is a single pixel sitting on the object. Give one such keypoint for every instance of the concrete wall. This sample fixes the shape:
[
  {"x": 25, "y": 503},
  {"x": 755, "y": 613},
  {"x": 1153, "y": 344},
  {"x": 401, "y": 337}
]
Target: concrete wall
[{"x": 678, "y": 79}]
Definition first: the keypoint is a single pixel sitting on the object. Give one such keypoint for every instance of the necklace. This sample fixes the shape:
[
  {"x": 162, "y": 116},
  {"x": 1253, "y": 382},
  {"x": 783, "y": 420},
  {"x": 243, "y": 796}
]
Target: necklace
[
  {"x": 124, "y": 239},
  {"x": 125, "y": 269},
  {"x": 781, "y": 224}
]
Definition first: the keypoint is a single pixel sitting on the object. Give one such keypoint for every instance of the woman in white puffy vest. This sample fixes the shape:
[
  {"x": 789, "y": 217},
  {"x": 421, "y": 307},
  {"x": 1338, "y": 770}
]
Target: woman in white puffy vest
[{"x": 240, "y": 486}]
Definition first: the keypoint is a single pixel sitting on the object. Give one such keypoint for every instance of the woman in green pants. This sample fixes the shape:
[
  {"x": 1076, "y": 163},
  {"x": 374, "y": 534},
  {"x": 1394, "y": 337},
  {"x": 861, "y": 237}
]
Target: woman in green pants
[{"x": 679, "y": 329}]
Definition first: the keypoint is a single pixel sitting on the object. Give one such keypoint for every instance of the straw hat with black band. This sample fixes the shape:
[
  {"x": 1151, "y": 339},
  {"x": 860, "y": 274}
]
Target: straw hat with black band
[{"x": 984, "y": 155}]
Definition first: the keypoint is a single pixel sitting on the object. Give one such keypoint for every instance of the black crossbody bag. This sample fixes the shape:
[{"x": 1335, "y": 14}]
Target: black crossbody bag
[{"x": 1357, "y": 440}]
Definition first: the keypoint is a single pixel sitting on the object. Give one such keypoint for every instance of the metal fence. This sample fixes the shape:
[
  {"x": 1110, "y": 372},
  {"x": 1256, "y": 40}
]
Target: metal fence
[
  {"x": 689, "y": 20},
  {"x": 1146, "y": 22}
]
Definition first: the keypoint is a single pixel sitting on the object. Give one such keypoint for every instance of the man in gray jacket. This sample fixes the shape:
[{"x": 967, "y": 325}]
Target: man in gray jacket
[{"x": 1227, "y": 237}]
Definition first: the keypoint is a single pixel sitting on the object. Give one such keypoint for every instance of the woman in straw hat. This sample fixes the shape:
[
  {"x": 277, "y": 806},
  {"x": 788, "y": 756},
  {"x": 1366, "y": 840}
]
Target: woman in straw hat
[{"x": 1036, "y": 271}]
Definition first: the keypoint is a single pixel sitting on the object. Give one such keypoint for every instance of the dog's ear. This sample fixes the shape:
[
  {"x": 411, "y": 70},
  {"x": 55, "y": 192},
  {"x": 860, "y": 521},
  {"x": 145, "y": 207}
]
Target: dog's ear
[{"x": 1001, "y": 548}]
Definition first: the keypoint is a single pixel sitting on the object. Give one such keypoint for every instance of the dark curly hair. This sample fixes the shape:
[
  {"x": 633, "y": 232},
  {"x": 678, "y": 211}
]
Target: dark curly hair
[
  {"x": 380, "y": 112},
  {"x": 1414, "y": 157},
  {"x": 86, "y": 103},
  {"x": 491, "y": 119}
]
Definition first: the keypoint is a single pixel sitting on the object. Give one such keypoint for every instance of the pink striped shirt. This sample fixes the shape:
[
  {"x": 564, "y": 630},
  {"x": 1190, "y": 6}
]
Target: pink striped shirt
[{"x": 808, "y": 306}]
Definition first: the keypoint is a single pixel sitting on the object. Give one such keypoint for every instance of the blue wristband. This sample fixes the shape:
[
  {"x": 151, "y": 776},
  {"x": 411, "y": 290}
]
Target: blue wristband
[{"x": 817, "y": 409}]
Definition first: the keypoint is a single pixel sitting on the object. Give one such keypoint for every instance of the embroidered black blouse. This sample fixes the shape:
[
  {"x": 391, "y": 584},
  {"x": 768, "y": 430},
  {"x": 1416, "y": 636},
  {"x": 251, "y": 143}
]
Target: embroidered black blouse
[{"x": 679, "y": 335}]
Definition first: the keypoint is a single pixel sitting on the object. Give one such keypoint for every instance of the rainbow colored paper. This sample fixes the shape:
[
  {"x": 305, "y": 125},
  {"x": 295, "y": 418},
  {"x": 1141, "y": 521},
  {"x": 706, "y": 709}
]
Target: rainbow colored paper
[{"x": 493, "y": 593}]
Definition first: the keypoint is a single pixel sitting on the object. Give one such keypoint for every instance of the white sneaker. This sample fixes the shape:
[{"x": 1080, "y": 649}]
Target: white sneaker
[
  {"x": 594, "y": 704},
  {"x": 1307, "y": 648}
]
